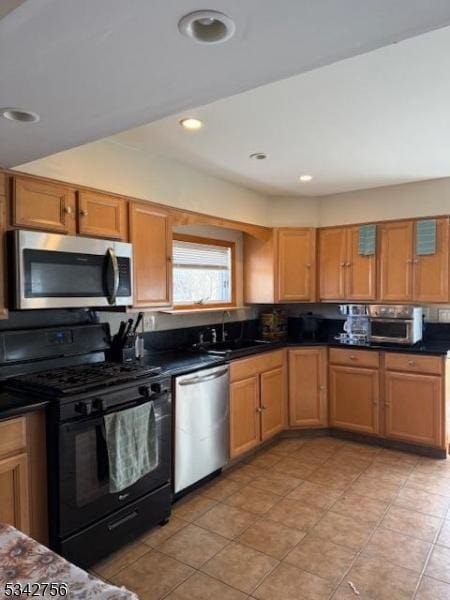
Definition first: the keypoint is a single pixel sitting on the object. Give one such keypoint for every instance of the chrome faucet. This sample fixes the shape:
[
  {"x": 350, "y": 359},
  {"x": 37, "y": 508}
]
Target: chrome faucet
[{"x": 224, "y": 333}]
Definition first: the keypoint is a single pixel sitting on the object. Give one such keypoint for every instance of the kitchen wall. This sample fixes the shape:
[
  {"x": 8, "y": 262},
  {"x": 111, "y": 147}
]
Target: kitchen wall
[
  {"x": 418, "y": 199},
  {"x": 124, "y": 170}
]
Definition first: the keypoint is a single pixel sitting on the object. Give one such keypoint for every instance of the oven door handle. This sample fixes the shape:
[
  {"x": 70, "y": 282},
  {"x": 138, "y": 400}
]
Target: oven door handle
[{"x": 114, "y": 263}]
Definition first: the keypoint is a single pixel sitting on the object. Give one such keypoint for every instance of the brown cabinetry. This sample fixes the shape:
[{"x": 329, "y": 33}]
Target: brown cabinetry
[
  {"x": 151, "y": 236},
  {"x": 406, "y": 276},
  {"x": 343, "y": 272},
  {"x": 43, "y": 205},
  {"x": 281, "y": 268},
  {"x": 257, "y": 400},
  {"x": 244, "y": 416},
  {"x": 414, "y": 399},
  {"x": 100, "y": 215},
  {"x": 23, "y": 490},
  {"x": 354, "y": 399},
  {"x": 308, "y": 405}
]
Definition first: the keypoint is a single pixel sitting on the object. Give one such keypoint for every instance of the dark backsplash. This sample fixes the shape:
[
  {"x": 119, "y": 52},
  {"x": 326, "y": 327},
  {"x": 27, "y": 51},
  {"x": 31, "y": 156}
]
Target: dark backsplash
[{"x": 184, "y": 337}]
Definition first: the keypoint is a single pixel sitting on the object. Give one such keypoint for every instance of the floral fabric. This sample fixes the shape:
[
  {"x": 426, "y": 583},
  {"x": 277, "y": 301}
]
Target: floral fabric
[{"x": 23, "y": 560}]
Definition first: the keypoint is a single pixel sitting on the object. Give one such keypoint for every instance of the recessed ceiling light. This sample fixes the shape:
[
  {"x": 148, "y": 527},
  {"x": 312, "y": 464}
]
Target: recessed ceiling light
[
  {"x": 207, "y": 26},
  {"x": 305, "y": 177},
  {"x": 19, "y": 114},
  {"x": 258, "y": 156},
  {"x": 191, "y": 123}
]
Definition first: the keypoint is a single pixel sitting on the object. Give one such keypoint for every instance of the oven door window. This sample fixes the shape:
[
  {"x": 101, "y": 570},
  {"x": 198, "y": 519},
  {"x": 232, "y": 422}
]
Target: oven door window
[
  {"x": 84, "y": 471},
  {"x": 395, "y": 330}
]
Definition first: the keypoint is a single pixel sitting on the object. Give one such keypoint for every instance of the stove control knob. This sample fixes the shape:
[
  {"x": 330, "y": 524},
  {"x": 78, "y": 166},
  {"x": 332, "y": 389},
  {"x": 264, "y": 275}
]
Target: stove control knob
[
  {"x": 84, "y": 408},
  {"x": 100, "y": 404},
  {"x": 156, "y": 388},
  {"x": 144, "y": 390}
]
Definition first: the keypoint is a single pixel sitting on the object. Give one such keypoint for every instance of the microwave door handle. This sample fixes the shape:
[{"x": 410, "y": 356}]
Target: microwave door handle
[{"x": 112, "y": 258}]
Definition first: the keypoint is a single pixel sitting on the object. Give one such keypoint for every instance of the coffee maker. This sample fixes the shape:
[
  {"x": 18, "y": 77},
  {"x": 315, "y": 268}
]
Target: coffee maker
[{"x": 356, "y": 324}]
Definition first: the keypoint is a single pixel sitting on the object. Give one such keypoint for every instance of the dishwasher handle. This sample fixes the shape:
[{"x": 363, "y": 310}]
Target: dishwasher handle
[{"x": 199, "y": 379}]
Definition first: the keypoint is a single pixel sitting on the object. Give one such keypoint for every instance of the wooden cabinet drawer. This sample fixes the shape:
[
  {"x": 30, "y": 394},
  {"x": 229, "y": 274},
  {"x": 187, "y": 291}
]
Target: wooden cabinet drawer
[
  {"x": 356, "y": 358},
  {"x": 413, "y": 363},
  {"x": 12, "y": 436},
  {"x": 248, "y": 367}
]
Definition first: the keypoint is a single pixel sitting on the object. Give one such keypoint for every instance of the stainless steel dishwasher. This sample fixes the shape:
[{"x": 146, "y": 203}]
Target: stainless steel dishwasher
[{"x": 201, "y": 425}]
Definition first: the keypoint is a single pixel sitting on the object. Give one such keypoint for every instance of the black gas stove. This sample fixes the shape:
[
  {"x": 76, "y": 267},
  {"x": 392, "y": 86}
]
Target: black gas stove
[
  {"x": 82, "y": 378},
  {"x": 68, "y": 366}
]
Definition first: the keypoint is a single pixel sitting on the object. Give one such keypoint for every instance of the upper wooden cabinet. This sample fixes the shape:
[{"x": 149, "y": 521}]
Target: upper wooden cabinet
[
  {"x": 100, "y": 215},
  {"x": 3, "y": 274},
  {"x": 41, "y": 205},
  {"x": 343, "y": 272},
  {"x": 308, "y": 404},
  {"x": 406, "y": 276},
  {"x": 151, "y": 236},
  {"x": 281, "y": 268}
]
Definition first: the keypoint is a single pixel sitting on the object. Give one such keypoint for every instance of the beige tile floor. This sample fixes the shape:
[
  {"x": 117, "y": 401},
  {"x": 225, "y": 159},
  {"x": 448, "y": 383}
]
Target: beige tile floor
[{"x": 303, "y": 519}]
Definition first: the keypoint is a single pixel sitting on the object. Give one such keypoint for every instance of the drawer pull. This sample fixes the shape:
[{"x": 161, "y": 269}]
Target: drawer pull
[
  {"x": 353, "y": 357},
  {"x": 411, "y": 363}
]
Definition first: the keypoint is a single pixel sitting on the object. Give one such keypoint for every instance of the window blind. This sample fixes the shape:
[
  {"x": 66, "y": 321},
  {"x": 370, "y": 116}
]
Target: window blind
[{"x": 189, "y": 255}]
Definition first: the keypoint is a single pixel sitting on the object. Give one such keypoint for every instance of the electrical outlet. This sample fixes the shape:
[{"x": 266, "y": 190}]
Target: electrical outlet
[
  {"x": 444, "y": 315},
  {"x": 149, "y": 321}
]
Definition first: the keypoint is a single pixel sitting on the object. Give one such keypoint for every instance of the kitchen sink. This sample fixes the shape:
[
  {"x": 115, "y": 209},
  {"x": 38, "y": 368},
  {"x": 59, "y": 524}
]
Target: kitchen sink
[{"x": 230, "y": 348}]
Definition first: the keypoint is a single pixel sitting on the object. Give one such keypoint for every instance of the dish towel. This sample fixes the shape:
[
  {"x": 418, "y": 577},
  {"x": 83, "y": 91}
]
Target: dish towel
[
  {"x": 367, "y": 240},
  {"x": 426, "y": 235},
  {"x": 132, "y": 445}
]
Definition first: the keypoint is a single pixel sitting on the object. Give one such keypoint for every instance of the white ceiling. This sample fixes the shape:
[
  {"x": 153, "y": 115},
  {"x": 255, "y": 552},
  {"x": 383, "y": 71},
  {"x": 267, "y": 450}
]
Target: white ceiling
[
  {"x": 377, "y": 119},
  {"x": 94, "y": 68}
]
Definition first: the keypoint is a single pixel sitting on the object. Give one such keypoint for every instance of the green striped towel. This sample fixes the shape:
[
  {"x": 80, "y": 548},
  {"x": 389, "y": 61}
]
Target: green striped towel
[
  {"x": 367, "y": 240},
  {"x": 426, "y": 237},
  {"x": 132, "y": 445}
]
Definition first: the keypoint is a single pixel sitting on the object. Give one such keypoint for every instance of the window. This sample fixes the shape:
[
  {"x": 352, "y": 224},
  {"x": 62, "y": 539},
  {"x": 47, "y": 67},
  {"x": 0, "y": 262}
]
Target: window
[{"x": 203, "y": 272}]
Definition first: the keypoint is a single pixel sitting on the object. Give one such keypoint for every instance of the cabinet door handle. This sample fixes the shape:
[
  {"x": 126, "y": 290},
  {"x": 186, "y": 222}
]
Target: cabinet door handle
[
  {"x": 68, "y": 210},
  {"x": 387, "y": 404},
  {"x": 353, "y": 357},
  {"x": 308, "y": 266},
  {"x": 416, "y": 260},
  {"x": 349, "y": 264},
  {"x": 343, "y": 264},
  {"x": 411, "y": 363},
  {"x": 410, "y": 261},
  {"x": 263, "y": 407},
  {"x": 321, "y": 388},
  {"x": 258, "y": 409},
  {"x": 83, "y": 212}
]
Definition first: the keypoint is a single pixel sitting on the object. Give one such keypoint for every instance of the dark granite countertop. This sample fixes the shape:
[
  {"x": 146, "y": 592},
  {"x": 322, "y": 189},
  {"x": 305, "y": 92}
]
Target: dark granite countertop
[
  {"x": 179, "y": 362},
  {"x": 424, "y": 347},
  {"x": 12, "y": 405}
]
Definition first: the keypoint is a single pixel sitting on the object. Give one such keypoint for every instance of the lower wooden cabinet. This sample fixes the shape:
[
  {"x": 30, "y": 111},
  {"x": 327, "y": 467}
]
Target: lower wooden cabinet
[
  {"x": 272, "y": 384},
  {"x": 354, "y": 399},
  {"x": 257, "y": 400},
  {"x": 23, "y": 473},
  {"x": 244, "y": 416},
  {"x": 308, "y": 405},
  {"x": 414, "y": 408},
  {"x": 14, "y": 492}
]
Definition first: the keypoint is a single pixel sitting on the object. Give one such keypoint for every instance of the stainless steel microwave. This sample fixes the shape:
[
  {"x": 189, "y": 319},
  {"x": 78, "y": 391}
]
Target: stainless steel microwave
[
  {"x": 398, "y": 324},
  {"x": 63, "y": 271}
]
